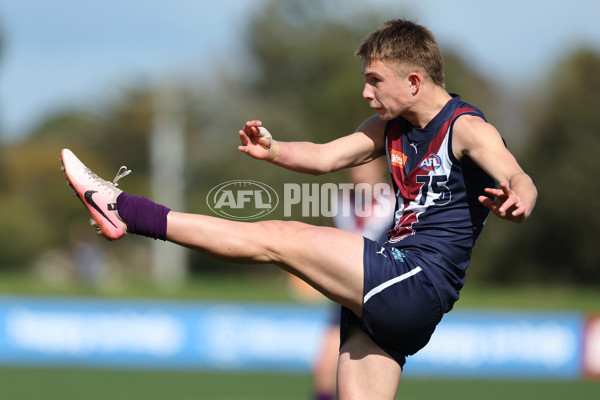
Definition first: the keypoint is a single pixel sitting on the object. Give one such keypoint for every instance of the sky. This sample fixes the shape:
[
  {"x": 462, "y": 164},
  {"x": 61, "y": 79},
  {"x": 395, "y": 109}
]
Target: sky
[{"x": 63, "y": 53}]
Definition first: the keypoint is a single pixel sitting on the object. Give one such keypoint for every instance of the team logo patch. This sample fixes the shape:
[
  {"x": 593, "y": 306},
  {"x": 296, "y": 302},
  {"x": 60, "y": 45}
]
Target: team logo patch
[
  {"x": 431, "y": 162},
  {"x": 397, "y": 158}
]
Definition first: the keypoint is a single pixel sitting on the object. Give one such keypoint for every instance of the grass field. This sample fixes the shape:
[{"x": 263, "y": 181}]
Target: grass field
[
  {"x": 274, "y": 287},
  {"x": 50, "y": 384},
  {"x": 27, "y": 383}
]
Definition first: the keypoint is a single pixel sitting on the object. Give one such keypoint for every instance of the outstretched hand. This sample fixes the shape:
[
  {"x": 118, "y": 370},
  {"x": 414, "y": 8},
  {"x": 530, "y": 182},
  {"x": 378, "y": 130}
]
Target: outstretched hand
[
  {"x": 255, "y": 142},
  {"x": 506, "y": 204}
]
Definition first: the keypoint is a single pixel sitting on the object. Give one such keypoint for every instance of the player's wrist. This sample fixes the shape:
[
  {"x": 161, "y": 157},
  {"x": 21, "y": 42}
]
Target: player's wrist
[{"x": 273, "y": 151}]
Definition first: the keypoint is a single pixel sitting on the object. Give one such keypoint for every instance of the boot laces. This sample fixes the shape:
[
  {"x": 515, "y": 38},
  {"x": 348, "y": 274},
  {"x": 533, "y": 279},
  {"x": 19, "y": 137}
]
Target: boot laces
[{"x": 122, "y": 172}]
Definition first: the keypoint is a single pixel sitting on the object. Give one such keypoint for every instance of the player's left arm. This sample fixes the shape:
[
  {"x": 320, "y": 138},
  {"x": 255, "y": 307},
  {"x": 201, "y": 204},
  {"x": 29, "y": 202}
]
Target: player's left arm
[{"x": 480, "y": 142}]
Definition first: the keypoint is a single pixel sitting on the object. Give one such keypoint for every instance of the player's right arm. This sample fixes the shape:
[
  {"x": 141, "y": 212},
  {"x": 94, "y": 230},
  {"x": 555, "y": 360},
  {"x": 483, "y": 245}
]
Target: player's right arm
[{"x": 360, "y": 147}]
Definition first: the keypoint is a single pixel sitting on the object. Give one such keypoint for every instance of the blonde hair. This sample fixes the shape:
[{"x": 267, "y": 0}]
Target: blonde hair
[{"x": 406, "y": 44}]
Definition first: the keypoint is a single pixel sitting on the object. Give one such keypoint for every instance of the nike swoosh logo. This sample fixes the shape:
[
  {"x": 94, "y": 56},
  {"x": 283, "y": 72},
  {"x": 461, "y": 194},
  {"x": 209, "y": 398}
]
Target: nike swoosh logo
[{"x": 88, "y": 197}]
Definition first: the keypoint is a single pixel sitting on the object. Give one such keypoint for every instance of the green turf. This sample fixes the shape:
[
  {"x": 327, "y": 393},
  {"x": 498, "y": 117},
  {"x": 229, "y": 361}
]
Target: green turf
[
  {"x": 50, "y": 384},
  {"x": 429, "y": 389},
  {"x": 272, "y": 285},
  {"x": 529, "y": 297},
  {"x": 226, "y": 287}
]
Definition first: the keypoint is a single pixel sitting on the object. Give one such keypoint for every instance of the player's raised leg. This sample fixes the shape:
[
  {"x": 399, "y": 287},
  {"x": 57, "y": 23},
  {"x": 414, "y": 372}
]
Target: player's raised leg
[{"x": 327, "y": 258}]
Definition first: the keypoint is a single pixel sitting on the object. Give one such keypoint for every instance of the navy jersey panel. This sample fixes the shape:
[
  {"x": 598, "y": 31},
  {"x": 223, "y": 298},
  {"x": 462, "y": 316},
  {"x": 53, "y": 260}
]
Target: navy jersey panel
[
  {"x": 400, "y": 307},
  {"x": 437, "y": 216}
]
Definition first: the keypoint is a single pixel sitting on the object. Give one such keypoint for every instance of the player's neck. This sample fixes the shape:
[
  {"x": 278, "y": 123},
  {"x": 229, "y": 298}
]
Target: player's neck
[{"x": 429, "y": 105}]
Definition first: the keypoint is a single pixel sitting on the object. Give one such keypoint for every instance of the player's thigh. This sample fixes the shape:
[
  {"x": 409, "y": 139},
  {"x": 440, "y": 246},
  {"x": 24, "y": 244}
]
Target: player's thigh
[
  {"x": 365, "y": 371},
  {"x": 330, "y": 259}
]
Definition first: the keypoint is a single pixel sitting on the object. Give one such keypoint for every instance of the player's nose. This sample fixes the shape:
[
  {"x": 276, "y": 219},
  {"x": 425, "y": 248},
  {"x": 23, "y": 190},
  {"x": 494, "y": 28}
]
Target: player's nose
[{"x": 367, "y": 93}]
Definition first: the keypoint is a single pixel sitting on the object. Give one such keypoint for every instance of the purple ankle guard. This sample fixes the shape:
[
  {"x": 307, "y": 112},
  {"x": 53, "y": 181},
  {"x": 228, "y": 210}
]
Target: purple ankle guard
[{"x": 143, "y": 216}]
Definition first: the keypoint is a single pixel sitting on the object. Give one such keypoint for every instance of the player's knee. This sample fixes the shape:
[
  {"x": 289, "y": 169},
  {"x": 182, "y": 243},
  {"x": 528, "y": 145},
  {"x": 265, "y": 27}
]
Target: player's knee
[
  {"x": 275, "y": 237},
  {"x": 276, "y": 229}
]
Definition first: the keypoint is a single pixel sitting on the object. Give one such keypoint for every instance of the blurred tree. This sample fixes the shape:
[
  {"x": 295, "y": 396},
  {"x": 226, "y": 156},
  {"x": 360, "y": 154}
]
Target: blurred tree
[
  {"x": 560, "y": 241},
  {"x": 306, "y": 71},
  {"x": 35, "y": 200},
  {"x": 28, "y": 205}
]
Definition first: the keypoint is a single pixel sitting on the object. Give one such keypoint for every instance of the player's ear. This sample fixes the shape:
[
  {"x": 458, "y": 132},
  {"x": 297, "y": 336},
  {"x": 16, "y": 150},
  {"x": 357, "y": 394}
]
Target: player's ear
[{"x": 414, "y": 80}]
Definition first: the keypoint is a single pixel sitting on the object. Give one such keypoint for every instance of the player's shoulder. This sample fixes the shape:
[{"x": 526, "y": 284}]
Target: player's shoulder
[
  {"x": 472, "y": 126},
  {"x": 373, "y": 126},
  {"x": 471, "y": 132}
]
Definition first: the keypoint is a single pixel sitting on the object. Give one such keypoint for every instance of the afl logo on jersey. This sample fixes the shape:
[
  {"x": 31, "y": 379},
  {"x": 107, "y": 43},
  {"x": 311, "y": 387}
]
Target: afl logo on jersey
[{"x": 431, "y": 162}]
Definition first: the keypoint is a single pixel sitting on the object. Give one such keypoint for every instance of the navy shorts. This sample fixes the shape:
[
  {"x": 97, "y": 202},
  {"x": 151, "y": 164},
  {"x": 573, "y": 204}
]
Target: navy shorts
[{"x": 400, "y": 305}]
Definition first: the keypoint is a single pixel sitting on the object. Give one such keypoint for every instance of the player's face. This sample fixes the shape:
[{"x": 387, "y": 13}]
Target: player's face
[{"x": 386, "y": 90}]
